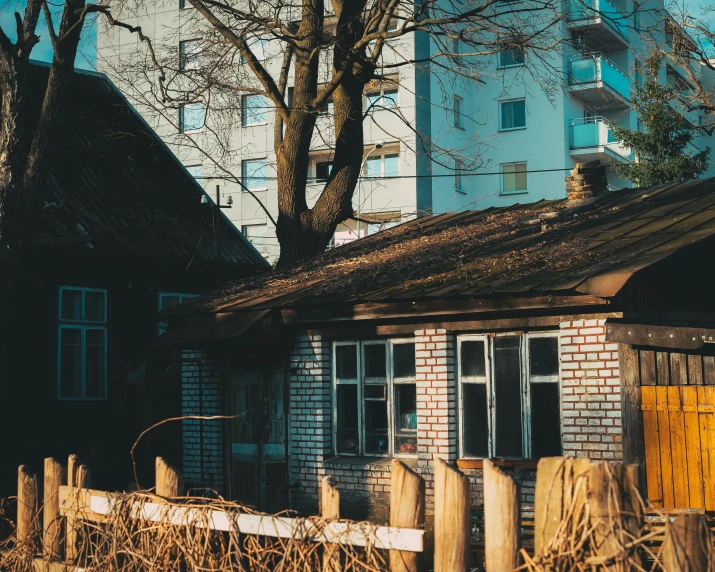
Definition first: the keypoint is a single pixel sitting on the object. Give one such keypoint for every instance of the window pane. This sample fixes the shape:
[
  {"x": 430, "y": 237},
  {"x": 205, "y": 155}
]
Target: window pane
[
  {"x": 246, "y": 403},
  {"x": 389, "y": 98},
  {"x": 544, "y": 356},
  {"x": 258, "y": 47},
  {"x": 376, "y": 442},
  {"x": 253, "y": 174},
  {"x": 511, "y": 57},
  {"x": 70, "y": 362},
  {"x": 95, "y": 370},
  {"x": 406, "y": 418},
  {"x": 346, "y": 362},
  {"x": 253, "y": 110},
  {"x": 244, "y": 482},
  {"x": 545, "y": 425},
  {"x": 472, "y": 358},
  {"x": 276, "y": 488},
  {"x": 373, "y": 167},
  {"x": 513, "y": 114},
  {"x": 371, "y": 101},
  {"x": 189, "y": 55},
  {"x": 375, "y": 360},
  {"x": 514, "y": 177},
  {"x": 507, "y": 397},
  {"x": 392, "y": 165},
  {"x": 322, "y": 170},
  {"x": 403, "y": 360},
  {"x": 94, "y": 306},
  {"x": 71, "y": 304},
  {"x": 191, "y": 117},
  {"x": 475, "y": 424},
  {"x": 347, "y": 419}
]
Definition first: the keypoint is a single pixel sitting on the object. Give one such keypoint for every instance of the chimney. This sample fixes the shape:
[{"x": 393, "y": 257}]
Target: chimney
[{"x": 587, "y": 181}]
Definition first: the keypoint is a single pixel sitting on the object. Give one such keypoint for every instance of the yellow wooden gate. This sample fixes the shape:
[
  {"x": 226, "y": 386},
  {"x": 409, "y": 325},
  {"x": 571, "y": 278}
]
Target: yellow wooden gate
[{"x": 679, "y": 429}]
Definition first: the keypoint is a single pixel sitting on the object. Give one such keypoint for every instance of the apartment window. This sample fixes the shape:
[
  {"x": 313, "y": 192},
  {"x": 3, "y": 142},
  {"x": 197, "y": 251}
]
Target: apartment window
[
  {"x": 323, "y": 170},
  {"x": 196, "y": 171},
  {"x": 457, "y": 104},
  {"x": 509, "y": 396},
  {"x": 189, "y": 55},
  {"x": 253, "y": 174},
  {"x": 257, "y": 235},
  {"x": 511, "y": 57},
  {"x": 513, "y": 178},
  {"x": 191, "y": 117},
  {"x": 82, "y": 343},
  {"x": 458, "y": 171},
  {"x": 253, "y": 110},
  {"x": 182, "y": 4},
  {"x": 169, "y": 300},
  {"x": 375, "y": 227},
  {"x": 386, "y": 96},
  {"x": 512, "y": 114},
  {"x": 375, "y": 398},
  {"x": 257, "y": 45},
  {"x": 387, "y": 165}
]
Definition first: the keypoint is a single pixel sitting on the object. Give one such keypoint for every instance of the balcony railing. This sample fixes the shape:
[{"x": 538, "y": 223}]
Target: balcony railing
[
  {"x": 596, "y": 132},
  {"x": 585, "y": 9},
  {"x": 597, "y": 67}
]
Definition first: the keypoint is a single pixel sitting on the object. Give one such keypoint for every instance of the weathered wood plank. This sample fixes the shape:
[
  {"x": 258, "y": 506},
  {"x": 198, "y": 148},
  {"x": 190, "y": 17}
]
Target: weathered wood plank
[
  {"x": 96, "y": 506},
  {"x": 652, "y": 446},
  {"x": 695, "y": 370},
  {"x": 666, "y": 465},
  {"x": 662, "y": 368},
  {"x": 688, "y": 545},
  {"x": 678, "y": 448},
  {"x": 451, "y": 519},
  {"x": 648, "y": 370},
  {"x": 707, "y": 443},
  {"x": 52, "y": 525},
  {"x": 678, "y": 369},
  {"x": 709, "y": 370},
  {"x": 27, "y": 503},
  {"x": 501, "y": 518},
  {"x": 407, "y": 509},
  {"x": 689, "y": 399},
  {"x": 548, "y": 501}
]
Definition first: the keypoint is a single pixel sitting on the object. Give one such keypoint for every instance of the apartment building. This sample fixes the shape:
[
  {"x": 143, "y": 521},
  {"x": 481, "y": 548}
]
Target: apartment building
[{"x": 433, "y": 143}]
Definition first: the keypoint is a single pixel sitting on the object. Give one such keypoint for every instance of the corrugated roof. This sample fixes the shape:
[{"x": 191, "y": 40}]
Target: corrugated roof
[
  {"x": 546, "y": 247},
  {"x": 114, "y": 185}
]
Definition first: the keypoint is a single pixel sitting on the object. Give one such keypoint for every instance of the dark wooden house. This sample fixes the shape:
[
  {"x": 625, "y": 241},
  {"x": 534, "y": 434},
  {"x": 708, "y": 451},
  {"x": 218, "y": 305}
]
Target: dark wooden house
[
  {"x": 581, "y": 327},
  {"x": 121, "y": 235}
]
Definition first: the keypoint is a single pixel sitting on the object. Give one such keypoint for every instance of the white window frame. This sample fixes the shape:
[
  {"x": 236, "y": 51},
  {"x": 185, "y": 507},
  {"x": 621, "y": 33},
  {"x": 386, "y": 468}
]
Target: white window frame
[
  {"x": 194, "y": 63},
  {"x": 526, "y": 380},
  {"x": 503, "y": 101},
  {"x": 244, "y": 179},
  {"x": 182, "y": 120},
  {"x": 244, "y": 110},
  {"x": 390, "y": 380},
  {"x": 82, "y": 325},
  {"x": 381, "y": 157},
  {"x": 501, "y": 179},
  {"x": 379, "y": 105}
]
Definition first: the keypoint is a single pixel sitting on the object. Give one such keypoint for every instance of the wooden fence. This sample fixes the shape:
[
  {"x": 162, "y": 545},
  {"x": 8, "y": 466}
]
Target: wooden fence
[{"x": 587, "y": 514}]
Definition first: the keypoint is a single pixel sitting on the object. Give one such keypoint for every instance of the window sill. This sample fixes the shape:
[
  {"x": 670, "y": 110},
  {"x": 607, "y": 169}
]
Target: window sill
[
  {"x": 510, "y": 66},
  {"x": 259, "y": 124},
  {"x": 503, "y": 130},
  {"x": 369, "y": 462},
  {"x": 506, "y": 463},
  {"x": 260, "y": 190},
  {"x": 508, "y": 194},
  {"x": 191, "y": 131},
  {"x": 460, "y": 191}
]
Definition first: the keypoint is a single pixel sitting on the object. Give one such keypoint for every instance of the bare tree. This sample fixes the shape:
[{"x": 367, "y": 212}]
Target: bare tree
[{"x": 330, "y": 55}]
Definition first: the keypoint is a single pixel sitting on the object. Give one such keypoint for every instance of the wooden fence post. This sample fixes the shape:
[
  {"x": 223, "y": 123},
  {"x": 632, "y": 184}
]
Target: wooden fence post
[
  {"x": 407, "y": 510},
  {"x": 330, "y": 510},
  {"x": 451, "y": 519},
  {"x": 26, "y": 504},
  {"x": 169, "y": 481},
  {"x": 501, "y": 520},
  {"x": 54, "y": 478},
  {"x": 688, "y": 544},
  {"x": 78, "y": 477}
]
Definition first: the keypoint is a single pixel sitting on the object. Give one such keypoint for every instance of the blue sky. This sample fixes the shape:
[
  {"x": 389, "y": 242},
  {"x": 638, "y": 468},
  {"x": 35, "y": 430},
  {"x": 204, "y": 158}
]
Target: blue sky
[{"x": 86, "y": 56}]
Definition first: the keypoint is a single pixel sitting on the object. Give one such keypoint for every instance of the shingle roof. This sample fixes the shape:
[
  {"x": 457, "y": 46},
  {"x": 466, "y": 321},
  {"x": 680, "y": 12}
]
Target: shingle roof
[
  {"x": 115, "y": 186},
  {"x": 545, "y": 247}
]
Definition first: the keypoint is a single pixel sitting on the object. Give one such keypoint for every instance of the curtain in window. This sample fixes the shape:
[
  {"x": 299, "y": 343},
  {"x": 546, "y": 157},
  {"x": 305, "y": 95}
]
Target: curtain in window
[{"x": 513, "y": 114}]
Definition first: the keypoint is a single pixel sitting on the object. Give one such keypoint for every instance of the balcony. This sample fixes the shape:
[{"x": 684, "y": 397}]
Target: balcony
[
  {"x": 592, "y": 138},
  {"x": 606, "y": 23},
  {"x": 598, "y": 81}
]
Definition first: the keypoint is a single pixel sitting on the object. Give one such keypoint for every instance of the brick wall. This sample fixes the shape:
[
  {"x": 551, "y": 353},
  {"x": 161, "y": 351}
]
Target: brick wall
[
  {"x": 201, "y": 395},
  {"x": 590, "y": 391}
]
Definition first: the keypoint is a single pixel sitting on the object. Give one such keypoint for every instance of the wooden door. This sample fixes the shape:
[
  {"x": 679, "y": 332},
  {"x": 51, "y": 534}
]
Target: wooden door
[
  {"x": 679, "y": 438},
  {"x": 258, "y": 439}
]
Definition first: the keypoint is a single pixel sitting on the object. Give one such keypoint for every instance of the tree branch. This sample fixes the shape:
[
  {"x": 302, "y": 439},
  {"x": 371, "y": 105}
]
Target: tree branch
[{"x": 50, "y": 25}]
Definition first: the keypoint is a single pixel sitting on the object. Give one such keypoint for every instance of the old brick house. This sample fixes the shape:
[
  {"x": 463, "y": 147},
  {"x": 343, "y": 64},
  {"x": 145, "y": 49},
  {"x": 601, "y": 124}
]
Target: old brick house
[{"x": 511, "y": 333}]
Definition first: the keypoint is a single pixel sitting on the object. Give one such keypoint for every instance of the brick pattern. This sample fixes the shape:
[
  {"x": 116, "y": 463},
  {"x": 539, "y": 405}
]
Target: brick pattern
[
  {"x": 201, "y": 395},
  {"x": 310, "y": 426},
  {"x": 590, "y": 391}
]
